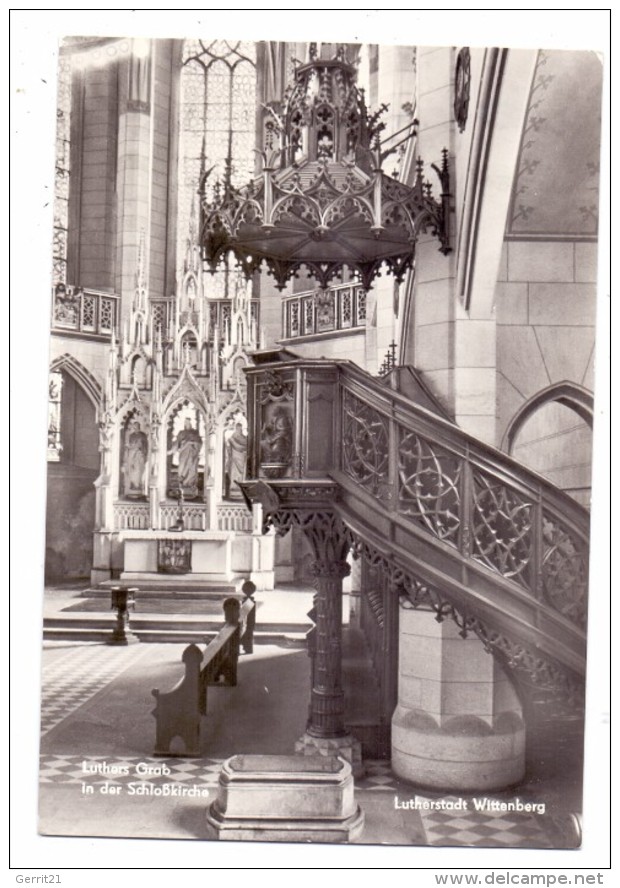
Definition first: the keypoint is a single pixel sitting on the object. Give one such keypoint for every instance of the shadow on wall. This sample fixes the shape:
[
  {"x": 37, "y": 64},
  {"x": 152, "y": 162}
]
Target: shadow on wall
[{"x": 70, "y": 523}]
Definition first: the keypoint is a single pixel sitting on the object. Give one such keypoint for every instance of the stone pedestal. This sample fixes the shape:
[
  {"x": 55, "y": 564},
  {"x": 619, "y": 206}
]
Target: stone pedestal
[
  {"x": 345, "y": 746},
  {"x": 458, "y": 724},
  {"x": 277, "y": 798}
]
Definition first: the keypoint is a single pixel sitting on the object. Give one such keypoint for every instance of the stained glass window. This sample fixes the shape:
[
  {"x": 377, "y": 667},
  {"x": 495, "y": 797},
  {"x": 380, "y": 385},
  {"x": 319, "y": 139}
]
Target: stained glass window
[
  {"x": 54, "y": 447},
  {"x": 61, "y": 179},
  {"x": 217, "y": 125}
]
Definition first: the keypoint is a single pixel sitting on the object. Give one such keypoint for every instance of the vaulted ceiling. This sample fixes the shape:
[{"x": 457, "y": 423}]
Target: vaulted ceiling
[{"x": 556, "y": 186}]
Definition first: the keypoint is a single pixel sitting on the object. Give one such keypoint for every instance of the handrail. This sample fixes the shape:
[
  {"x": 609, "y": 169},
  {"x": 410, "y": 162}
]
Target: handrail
[
  {"x": 457, "y": 435},
  {"x": 482, "y": 533},
  {"x": 432, "y": 475}
]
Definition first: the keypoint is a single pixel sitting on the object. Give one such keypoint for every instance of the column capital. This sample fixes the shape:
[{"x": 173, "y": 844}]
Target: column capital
[
  {"x": 330, "y": 570},
  {"x": 327, "y": 534}
]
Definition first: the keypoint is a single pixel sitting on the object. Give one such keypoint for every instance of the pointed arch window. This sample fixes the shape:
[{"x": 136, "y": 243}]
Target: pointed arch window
[
  {"x": 54, "y": 445},
  {"x": 62, "y": 170},
  {"x": 217, "y": 127}
]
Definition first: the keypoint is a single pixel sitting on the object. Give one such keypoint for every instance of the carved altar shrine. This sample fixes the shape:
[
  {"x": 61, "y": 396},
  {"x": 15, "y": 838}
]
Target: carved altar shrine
[{"x": 173, "y": 436}]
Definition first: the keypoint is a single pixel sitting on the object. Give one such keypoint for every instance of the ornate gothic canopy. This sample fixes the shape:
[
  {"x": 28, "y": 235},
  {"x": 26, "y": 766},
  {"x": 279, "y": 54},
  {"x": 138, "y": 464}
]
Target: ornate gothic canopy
[{"x": 322, "y": 200}]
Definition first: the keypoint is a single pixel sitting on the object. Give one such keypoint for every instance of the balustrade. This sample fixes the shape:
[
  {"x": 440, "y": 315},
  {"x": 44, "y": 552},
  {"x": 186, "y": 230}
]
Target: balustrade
[
  {"x": 136, "y": 516},
  {"x": 85, "y": 311},
  {"x": 467, "y": 495},
  {"x": 487, "y": 540},
  {"x": 131, "y": 516},
  {"x": 231, "y": 517},
  {"x": 194, "y": 515},
  {"x": 341, "y": 307}
]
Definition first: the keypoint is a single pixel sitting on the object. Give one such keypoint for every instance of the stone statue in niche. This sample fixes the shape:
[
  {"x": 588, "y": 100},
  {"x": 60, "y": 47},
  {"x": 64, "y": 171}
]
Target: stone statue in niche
[
  {"x": 134, "y": 461},
  {"x": 187, "y": 445},
  {"x": 235, "y": 461},
  {"x": 276, "y": 442}
]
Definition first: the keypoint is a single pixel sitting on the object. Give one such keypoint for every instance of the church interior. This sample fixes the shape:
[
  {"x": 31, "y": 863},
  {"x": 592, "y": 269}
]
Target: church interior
[{"x": 322, "y": 341}]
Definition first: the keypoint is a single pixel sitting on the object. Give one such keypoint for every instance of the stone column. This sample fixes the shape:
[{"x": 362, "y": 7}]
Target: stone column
[
  {"x": 458, "y": 725},
  {"x": 326, "y": 733},
  {"x": 104, "y": 506},
  {"x": 261, "y": 568}
]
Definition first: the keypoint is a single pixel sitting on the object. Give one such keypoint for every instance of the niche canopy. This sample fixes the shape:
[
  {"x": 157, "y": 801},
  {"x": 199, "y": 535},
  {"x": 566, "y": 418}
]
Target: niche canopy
[{"x": 322, "y": 200}]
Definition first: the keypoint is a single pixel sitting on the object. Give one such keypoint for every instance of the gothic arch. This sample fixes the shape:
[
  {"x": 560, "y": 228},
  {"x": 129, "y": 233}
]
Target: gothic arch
[
  {"x": 496, "y": 133},
  {"x": 186, "y": 387},
  {"x": 68, "y": 364},
  {"x": 132, "y": 408},
  {"x": 568, "y": 393}
]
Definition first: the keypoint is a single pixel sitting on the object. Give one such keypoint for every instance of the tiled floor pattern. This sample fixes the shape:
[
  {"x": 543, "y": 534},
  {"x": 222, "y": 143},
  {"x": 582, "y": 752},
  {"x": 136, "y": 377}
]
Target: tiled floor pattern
[
  {"x": 469, "y": 828},
  {"x": 478, "y": 829},
  {"x": 65, "y": 769},
  {"x": 74, "y": 678},
  {"x": 68, "y": 769}
]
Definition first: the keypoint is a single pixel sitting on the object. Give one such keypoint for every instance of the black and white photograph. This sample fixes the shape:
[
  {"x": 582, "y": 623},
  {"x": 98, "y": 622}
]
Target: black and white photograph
[{"x": 321, "y": 385}]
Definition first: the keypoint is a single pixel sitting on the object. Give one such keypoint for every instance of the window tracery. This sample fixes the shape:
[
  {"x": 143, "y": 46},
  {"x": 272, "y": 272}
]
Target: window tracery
[
  {"x": 217, "y": 124},
  {"x": 62, "y": 171},
  {"x": 54, "y": 445}
]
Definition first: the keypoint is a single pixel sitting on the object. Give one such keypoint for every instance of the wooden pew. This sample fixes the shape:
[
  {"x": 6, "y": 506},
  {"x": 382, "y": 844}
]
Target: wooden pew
[{"x": 178, "y": 712}]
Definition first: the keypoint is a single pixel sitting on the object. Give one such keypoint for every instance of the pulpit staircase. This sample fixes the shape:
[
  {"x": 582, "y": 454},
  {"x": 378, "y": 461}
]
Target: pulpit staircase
[{"x": 449, "y": 522}]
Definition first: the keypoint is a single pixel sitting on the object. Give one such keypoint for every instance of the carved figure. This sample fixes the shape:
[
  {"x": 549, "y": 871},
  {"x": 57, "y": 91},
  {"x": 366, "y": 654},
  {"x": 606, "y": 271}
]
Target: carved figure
[
  {"x": 236, "y": 454},
  {"x": 134, "y": 463},
  {"x": 277, "y": 438},
  {"x": 187, "y": 445}
]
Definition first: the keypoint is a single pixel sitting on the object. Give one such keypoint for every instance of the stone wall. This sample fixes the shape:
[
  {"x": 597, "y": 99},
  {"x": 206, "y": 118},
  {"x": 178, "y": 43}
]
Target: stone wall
[{"x": 545, "y": 309}]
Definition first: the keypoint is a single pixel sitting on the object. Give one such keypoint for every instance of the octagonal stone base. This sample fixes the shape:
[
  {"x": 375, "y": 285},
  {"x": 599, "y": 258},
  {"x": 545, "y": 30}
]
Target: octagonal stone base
[{"x": 465, "y": 753}]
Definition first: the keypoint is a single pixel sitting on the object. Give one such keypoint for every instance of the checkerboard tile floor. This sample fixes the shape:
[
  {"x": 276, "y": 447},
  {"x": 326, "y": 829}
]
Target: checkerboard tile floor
[
  {"x": 485, "y": 830},
  {"x": 378, "y": 776},
  {"x": 467, "y": 828},
  {"x": 73, "y": 678},
  {"x": 69, "y": 681},
  {"x": 76, "y": 769},
  {"x": 68, "y": 769}
]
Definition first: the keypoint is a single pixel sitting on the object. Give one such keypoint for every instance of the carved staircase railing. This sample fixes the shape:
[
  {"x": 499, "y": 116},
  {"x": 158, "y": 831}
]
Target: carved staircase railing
[{"x": 457, "y": 524}]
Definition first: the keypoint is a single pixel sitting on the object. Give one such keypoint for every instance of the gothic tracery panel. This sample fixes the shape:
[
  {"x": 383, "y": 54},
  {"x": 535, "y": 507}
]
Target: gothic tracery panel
[
  {"x": 502, "y": 529},
  {"x": 429, "y": 479},
  {"x": 365, "y": 445},
  {"x": 564, "y": 570}
]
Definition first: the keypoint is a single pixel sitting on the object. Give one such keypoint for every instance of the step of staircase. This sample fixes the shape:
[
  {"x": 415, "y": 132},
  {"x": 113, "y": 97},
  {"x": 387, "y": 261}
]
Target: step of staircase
[
  {"x": 97, "y": 626},
  {"x": 155, "y": 587},
  {"x": 169, "y": 609},
  {"x": 163, "y": 636}
]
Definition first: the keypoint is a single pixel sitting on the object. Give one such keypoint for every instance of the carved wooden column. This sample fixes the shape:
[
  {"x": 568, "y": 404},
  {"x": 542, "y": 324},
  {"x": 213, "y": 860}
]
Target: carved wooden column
[
  {"x": 326, "y": 733},
  {"x": 326, "y": 717}
]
